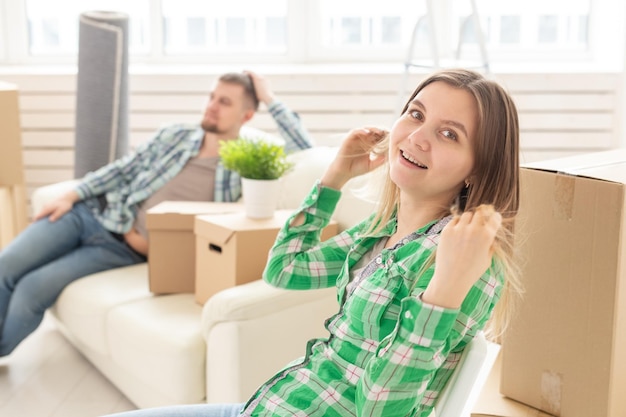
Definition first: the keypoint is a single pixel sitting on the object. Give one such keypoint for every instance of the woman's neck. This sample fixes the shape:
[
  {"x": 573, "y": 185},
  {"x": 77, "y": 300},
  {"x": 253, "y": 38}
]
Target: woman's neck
[{"x": 412, "y": 216}]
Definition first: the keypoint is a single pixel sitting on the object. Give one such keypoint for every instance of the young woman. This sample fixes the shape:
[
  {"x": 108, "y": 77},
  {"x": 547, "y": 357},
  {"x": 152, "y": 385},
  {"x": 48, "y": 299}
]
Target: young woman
[{"x": 417, "y": 280}]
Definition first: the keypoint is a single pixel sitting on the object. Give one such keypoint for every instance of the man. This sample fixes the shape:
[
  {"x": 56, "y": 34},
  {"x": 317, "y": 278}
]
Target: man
[{"x": 100, "y": 224}]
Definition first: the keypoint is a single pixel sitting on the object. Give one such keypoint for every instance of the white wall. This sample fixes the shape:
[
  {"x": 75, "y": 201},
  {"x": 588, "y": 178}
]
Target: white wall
[{"x": 560, "y": 113}]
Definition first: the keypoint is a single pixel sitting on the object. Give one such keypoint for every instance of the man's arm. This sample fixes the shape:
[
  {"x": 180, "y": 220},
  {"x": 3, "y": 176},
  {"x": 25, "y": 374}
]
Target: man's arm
[{"x": 288, "y": 122}]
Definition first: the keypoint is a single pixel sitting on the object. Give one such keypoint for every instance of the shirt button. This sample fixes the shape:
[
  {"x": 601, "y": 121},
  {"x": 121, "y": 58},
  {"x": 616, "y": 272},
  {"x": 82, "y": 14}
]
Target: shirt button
[
  {"x": 379, "y": 260},
  {"x": 408, "y": 315}
]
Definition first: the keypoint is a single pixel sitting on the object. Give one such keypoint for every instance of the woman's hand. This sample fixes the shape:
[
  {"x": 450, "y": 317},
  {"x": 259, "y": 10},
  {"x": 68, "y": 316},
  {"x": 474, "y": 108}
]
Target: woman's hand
[
  {"x": 463, "y": 255},
  {"x": 57, "y": 208},
  {"x": 355, "y": 157}
]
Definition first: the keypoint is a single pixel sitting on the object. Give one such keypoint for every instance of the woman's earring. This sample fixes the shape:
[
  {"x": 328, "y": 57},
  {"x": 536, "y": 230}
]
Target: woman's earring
[{"x": 467, "y": 183}]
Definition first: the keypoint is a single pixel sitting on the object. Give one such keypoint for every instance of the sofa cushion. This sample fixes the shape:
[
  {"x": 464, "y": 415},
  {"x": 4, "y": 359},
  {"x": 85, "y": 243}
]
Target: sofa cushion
[
  {"x": 159, "y": 342},
  {"x": 84, "y": 305},
  {"x": 309, "y": 165},
  {"x": 358, "y": 195}
]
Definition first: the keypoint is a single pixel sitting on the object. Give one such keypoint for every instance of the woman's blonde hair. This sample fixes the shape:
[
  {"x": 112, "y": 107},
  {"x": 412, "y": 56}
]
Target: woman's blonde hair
[{"x": 494, "y": 179}]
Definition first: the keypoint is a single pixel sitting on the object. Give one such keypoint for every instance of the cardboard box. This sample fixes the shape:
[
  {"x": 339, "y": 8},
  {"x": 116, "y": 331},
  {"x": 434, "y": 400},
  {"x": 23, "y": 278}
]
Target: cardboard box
[
  {"x": 172, "y": 248},
  {"x": 491, "y": 403},
  {"x": 13, "y": 218},
  {"x": 7, "y": 217},
  {"x": 20, "y": 221},
  {"x": 565, "y": 350},
  {"x": 11, "y": 165},
  {"x": 232, "y": 249}
]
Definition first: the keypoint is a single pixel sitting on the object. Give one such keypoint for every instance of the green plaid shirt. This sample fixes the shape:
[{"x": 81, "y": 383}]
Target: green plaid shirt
[
  {"x": 133, "y": 178},
  {"x": 388, "y": 353}
]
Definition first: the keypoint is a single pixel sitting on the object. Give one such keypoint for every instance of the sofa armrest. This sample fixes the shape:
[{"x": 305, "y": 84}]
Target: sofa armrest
[
  {"x": 253, "y": 330},
  {"x": 47, "y": 193}
]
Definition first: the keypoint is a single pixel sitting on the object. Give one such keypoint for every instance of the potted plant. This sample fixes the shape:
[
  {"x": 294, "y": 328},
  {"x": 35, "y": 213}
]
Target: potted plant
[{"x": 260, "y": 164}]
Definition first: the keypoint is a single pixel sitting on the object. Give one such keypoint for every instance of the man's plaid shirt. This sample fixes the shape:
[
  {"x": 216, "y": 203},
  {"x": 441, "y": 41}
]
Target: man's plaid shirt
[
  {"x": 133, "y": 178},
  {"x": 388, "y": 354}
]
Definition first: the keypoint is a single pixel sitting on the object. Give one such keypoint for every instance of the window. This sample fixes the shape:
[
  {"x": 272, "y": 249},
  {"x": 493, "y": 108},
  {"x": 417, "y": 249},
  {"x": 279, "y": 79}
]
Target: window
[
  {"x": 53, "y": 30},
  {"x": 236, "y": 26},
  {"x": 358, "y": 24},
  {"x": 321, "y": 30},
  {"x": 534, "y": 24}
]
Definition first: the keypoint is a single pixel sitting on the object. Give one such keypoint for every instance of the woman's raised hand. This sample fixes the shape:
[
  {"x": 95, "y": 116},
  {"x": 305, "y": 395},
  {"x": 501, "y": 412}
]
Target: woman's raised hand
[
  {"x": 355, "y": 156},
  {"x": 463, "y": 255}
]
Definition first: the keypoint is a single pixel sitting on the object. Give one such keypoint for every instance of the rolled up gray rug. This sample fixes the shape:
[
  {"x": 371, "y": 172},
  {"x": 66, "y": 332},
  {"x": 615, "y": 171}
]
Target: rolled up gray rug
[{"x": 101, "y": 134}]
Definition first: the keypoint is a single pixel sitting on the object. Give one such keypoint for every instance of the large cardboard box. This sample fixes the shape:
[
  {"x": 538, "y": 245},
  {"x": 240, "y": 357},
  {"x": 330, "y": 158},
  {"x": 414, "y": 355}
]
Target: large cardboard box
[
  {"x": 232, "y": 249},
  {"x": 11, "y": 165},
  {"x": 172, "y": 248},
  {"x": 565, "y": 352},
  {"x": 7, "y": 216},
  {"x": 14, "y": 216}
]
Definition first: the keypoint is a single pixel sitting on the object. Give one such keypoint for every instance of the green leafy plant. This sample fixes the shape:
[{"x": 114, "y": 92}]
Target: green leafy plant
[{"x": 254, "y": 159}]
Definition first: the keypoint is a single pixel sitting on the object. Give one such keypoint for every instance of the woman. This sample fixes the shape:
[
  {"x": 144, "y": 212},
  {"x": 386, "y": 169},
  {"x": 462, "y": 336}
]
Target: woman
[{"x": 418, "y": 279}]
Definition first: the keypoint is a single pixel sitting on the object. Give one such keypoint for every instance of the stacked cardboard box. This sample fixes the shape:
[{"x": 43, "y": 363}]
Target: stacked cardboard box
[
  {"x": 13, "y": 211},
  {"x": 172, "y": 249},
  {"x": 232, "y": 249},
  {"x": 564, "y": 352}
]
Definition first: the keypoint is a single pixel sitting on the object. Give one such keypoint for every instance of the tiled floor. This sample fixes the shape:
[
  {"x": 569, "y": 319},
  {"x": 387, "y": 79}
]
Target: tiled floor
[{"x": 46, "y": 377}]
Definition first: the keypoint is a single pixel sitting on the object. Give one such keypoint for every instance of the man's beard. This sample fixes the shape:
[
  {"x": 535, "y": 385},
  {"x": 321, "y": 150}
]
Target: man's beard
[{"x": 210, "y": 127}]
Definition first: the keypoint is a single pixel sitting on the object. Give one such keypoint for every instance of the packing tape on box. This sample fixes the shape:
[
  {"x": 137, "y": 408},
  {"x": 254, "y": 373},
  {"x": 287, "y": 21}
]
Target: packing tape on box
[
  {"x": 551, "y": 392},
  {"x": 564, "y": 190},
  {"x": 101, "y": 134}
]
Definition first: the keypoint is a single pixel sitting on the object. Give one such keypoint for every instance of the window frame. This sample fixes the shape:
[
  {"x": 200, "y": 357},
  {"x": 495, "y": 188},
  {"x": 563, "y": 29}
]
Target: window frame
[
  {"x": 3, "y": 34},
  {"x": 15, "y": 33},
  {"x": 304, "y": 42}
]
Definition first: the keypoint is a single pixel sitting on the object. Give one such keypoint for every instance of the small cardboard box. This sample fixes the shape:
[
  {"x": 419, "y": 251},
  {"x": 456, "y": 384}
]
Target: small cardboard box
[
  {"x": 232, "y": 249},
  {"x": 172, "y": 248},
  {"x": 564, "y": 352}
]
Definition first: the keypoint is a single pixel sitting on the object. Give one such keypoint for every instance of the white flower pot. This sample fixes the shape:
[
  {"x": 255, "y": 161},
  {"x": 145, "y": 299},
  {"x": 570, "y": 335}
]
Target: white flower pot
[{"x": 260, "y": 197}]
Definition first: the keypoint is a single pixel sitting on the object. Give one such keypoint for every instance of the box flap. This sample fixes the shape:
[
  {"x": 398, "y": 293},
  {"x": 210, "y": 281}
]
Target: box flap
[
  {"x": 608, "y": 165},
  {"x": 220, "y": 227},
  {"x": 179, "y": 215},
  {"x": 209, "y": 227}
]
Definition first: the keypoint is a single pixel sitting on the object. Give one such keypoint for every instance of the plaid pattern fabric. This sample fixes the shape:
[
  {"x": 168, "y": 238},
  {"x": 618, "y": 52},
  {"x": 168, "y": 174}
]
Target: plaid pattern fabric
[
  {"x": 133, "y": 178},
  {"x": 388, "y": 353},
  {"x": 290, "y": 127}
]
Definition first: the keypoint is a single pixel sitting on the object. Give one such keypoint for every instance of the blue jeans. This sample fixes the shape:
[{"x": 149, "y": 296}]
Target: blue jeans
[
  {"x": 45, "y": 258},
  {"x": 194, "y": 410}
]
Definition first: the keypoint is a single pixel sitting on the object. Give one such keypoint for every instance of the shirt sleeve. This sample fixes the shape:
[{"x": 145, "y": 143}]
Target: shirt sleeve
[
  {"x": 399, "y": 377},
  {"x": 122, "y": 171},
  {"x": 290, "y": 128},
  {"x": 298, "y": 260}
]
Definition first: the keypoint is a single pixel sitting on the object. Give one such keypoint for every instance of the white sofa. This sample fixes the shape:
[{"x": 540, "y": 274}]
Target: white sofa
[{"x": 167, "y": 349}]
